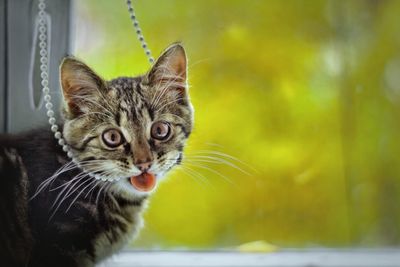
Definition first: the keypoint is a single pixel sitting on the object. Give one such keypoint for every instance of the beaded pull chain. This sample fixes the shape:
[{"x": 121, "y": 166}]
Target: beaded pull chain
[
  {"x": 44, "y": 74},
  {"x": 139, "y": 33}
]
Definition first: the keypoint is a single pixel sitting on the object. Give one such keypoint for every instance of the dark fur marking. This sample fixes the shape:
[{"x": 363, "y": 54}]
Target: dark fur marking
[
  {"x": 151, "y": 113},
  {"x": 88, "y": 159},
  {"x": 76, "y": 148},
  {"x": 179, "y": 147},
  {"x": 183, "y": 128},
  {"x": 118, "y": 119},
  {"x": 123, "y": 202},
  {"x": 127, "y": 148},
  {"x": 152, "y": 144},
  {"x": 179, "y": 160},
  {"x": 86, "y": 141}
]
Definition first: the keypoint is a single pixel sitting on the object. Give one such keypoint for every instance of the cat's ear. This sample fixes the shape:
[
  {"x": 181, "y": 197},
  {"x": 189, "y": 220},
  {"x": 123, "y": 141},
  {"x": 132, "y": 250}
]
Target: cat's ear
[
  {"x": 170, "y": 70},
  {"x": 80, "y": 84}
]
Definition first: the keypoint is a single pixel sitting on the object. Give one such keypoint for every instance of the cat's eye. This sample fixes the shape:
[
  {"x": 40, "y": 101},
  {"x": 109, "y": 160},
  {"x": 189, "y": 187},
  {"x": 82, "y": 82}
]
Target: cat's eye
[
  {"x": 112, "y": 138},
  {"x": 161, "y": 130}
]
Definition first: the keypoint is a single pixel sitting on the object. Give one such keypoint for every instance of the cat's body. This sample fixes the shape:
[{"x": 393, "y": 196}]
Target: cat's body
[
  {"x": 54, "y": 212},
  {"x": 88, "y": 232}
]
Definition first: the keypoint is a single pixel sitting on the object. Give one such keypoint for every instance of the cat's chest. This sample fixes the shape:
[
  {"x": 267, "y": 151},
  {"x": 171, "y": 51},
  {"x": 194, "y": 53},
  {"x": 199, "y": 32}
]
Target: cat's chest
[{"x": 121, "y": 227}]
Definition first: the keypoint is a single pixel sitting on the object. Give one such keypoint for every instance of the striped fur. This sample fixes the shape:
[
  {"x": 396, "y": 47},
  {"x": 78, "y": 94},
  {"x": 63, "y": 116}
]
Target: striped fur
[{"x": 75, "y": 220}]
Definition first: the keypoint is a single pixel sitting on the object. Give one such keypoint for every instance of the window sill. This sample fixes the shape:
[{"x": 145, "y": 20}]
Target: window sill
[{"x": 283, "y": 258}]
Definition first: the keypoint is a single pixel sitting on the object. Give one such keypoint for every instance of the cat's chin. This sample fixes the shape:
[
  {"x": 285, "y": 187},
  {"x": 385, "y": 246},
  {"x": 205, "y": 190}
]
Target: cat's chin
[{"x": 124, "y": 186}]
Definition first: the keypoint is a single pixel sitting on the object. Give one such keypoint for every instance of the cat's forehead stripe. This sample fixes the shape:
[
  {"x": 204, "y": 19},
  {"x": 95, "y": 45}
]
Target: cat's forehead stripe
[{"x": 132, "y": 113}]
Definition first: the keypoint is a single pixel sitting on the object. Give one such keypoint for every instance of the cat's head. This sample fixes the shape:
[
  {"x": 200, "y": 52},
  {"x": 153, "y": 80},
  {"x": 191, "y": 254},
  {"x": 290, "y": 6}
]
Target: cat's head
[{"x": 122, "y": 128}]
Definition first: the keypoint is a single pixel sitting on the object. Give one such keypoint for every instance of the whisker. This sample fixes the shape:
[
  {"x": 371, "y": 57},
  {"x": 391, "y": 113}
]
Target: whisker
[
  {"x": 66, "y": 195},
  {"x": 180, "y": 118},
  {"x": 67, "y": 182},
  {"x": 188, "y": 173},
  {"x": 169, "y": 103},
  {"x": 81, "y": 191},
  {"x": 213, "y": 171},
  {"x": 73, "y": 181},
  {"x": 99, "y": 192},
  {"x": 98, "y": 113},
  {"x": 173, "y": 80},
  {"x": 104, "y": 99},
  {"x": 195, "y": 173},
  {"x": 224, "y": 155},
  {"x": 47, "y": 182},
  {"x": 217, "y": 160},
  {"x": 92, "y": 189},
  {"x": 88, "y": 100}
]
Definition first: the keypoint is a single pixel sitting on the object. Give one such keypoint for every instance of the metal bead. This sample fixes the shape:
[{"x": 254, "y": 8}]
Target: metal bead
[
  {"x": 43, "y": 60},
  {"x": 45, "y": 82},
  {"x": 48, "y": 105},
  {"x": 42, "y": 29},
  {"x": 42, "y": 37},
  {"x": 42, "y": 5},
  {"x": 54, "y": 128},
  {"x": 57, "y": 135},
  {"x": 50, "y": 113},
  {"x": 138, "y": 31},
  {"x": 43, "y": 53},
  {"x": 44, "y": 75}
]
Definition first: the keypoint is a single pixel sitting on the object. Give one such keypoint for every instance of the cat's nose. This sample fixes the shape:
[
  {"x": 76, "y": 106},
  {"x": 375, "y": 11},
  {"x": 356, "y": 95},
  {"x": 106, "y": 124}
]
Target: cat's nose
[{"x": 143, "y": 167}]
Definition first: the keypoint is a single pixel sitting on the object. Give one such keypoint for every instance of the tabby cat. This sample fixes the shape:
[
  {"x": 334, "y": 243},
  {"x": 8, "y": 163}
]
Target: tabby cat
[{"x": 54, "y": 212}]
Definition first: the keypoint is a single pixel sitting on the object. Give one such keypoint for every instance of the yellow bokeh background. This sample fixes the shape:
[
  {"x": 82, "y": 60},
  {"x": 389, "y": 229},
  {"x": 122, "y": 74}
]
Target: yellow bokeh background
[{"x": 304, "y": 95}]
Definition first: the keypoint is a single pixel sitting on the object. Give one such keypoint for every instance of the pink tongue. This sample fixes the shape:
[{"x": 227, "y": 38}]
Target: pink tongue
[{"x": 144, "y": 182}]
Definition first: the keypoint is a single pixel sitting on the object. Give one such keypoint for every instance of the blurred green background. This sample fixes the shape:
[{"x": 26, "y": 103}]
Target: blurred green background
[{"x": 305, "y": 93}]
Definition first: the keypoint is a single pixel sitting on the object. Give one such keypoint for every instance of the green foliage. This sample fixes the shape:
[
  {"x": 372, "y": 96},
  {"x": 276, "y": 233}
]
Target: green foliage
[{"x": 305, "y": 92}]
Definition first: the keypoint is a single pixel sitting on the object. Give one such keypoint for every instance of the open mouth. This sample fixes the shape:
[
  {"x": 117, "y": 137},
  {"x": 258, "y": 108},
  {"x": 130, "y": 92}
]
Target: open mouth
[{"x": 144, "y": 182}]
